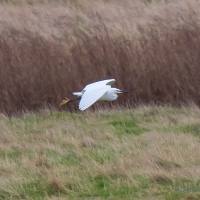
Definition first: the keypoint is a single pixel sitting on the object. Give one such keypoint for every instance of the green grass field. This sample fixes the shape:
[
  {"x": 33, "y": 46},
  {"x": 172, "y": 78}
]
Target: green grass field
[{"x": 142, "y": 153}]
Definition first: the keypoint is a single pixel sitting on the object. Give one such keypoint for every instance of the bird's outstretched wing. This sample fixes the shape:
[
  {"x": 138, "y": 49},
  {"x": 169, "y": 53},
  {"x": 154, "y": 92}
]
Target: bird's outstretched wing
[
  {"x": 91, "y": 95},
  {"x": 99, "y": 83}
]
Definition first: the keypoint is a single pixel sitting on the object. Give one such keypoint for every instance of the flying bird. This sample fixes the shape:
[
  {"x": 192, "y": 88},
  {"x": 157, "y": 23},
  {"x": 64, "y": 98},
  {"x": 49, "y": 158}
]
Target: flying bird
[{"x": 97, "y": 91}]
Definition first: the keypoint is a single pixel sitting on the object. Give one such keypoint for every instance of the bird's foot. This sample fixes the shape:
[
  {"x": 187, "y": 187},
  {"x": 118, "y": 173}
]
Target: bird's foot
[{"x": 66, "y": 100}]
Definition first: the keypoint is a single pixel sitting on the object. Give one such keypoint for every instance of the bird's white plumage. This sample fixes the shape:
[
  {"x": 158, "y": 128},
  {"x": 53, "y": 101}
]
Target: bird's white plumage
[
  {"x": 91, "y": 95},
  {"x": 99, "y": 83},
  {"x": 95, "y": 85},
  {"x": 96, "y": 91},
  {"x": 77, "y": 93}
]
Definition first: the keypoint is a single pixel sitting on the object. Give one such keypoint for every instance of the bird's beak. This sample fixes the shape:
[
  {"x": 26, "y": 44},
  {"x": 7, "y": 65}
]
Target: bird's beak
[
  {"x": 66, "y": 100},
  {"x": 122, "y": 91}
]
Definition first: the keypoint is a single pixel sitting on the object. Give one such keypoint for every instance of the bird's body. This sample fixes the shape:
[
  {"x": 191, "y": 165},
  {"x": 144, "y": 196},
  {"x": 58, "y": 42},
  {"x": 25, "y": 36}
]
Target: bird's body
[
  {"x": 97, "y": 91},
  {"x": 110, "y": 95}
]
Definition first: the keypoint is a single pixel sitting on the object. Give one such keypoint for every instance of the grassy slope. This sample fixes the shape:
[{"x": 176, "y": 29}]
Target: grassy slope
[{"x": 144, "y": 153}]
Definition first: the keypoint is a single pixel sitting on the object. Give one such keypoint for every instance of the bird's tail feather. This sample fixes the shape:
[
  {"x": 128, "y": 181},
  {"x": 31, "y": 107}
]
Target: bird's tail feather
[{"x": 77, "y": 93}]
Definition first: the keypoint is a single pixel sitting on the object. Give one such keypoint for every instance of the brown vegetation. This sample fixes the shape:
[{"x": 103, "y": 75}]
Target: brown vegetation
[{"x": 46, "y": 52}]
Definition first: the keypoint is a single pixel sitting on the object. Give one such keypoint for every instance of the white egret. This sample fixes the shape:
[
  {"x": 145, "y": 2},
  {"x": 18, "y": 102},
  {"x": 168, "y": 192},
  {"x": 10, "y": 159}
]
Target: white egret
[{"x": 96, "y": 91}]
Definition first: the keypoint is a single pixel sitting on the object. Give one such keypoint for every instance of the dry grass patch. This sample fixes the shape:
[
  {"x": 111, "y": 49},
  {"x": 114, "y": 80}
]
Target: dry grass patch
[{"x": 172, "y": 155}]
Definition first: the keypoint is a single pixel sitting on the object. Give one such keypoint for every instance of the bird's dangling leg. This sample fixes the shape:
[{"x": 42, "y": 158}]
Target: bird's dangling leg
[{"x": 66, "y": 100}]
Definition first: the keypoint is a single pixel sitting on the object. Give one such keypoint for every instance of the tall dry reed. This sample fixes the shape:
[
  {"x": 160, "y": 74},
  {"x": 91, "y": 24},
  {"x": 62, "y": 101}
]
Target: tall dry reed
[{"x": 157, "y": 60}]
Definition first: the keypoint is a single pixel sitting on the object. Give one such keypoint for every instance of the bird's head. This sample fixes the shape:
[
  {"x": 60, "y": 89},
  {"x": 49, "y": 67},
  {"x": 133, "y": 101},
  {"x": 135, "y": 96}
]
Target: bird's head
[
  {"x": 120, "y": 91},
  {"x": 66, "y": 100}
]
